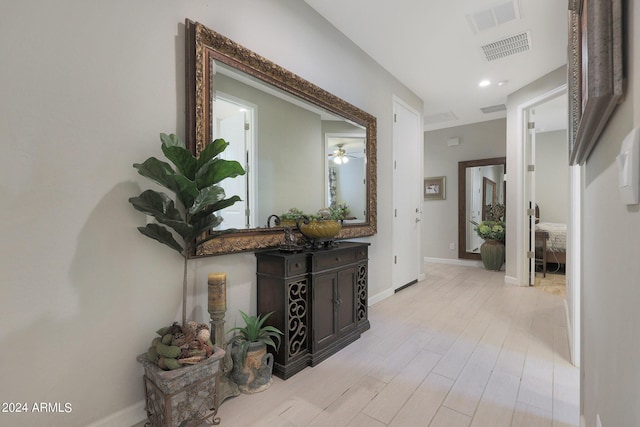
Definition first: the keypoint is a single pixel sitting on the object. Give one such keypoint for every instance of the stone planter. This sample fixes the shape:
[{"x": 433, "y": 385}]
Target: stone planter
[
  {"x": 492, "y": 254},
  {"x": 255, "y": 375},
  {"x": 184, "y": 397}
]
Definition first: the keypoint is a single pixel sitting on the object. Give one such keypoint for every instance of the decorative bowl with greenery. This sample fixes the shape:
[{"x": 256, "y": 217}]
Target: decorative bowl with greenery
[
  {"x": 191, "y": 215},
  {"x": 254, "y": 331}
]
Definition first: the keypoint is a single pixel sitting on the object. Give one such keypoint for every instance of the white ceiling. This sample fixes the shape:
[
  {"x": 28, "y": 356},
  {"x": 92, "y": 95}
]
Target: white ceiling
[{"x": 432, "y": 47}]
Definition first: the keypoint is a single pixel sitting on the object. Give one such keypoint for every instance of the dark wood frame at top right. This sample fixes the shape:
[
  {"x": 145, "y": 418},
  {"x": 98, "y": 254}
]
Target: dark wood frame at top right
[{"x": 595, "y": 71}]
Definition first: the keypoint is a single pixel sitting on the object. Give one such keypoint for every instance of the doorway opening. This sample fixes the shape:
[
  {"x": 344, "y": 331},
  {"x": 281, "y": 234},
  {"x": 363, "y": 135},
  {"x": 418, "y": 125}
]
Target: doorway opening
[{"x": 552, "y": 206}]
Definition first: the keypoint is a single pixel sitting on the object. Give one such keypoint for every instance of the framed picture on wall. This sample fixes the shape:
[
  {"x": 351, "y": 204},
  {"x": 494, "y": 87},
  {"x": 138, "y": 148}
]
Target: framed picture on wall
[
  {"x": 595, "y": 71},
  {"x": 435, "y": 188}
]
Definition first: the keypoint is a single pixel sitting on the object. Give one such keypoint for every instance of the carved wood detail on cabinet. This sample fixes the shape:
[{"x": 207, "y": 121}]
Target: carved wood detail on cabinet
[{"x": 318, "y": 299}]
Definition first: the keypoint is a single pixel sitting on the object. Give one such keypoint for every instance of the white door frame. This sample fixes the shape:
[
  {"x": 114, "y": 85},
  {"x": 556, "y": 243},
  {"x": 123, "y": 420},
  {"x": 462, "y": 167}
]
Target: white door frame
[
  {"x": 576, "y": 178},
  {"x": 522, "y": 225}
]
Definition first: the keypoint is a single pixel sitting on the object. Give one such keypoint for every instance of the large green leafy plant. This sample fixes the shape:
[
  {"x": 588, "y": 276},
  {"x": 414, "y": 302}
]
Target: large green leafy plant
[{"x": 190, "y": 218}]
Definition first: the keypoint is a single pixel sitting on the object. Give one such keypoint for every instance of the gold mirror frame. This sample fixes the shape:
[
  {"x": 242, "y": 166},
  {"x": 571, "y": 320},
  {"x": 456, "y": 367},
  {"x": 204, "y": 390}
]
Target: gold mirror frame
[{"x": 204, "y": 45}]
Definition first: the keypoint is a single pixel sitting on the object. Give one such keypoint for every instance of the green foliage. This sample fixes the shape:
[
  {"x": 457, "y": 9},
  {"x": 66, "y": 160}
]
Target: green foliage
[
  {"x": 255, "y": 331},
  {"x": 194, "y": 181},
  {"x": 337, "y": 212},
  {"x": 491, "y": 230}
]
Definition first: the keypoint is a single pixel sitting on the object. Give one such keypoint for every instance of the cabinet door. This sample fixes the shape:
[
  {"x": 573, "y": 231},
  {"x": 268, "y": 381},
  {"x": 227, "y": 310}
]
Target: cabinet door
[
  {"x": 324, "y": 310},
  {"x": 346, "y": 298}
]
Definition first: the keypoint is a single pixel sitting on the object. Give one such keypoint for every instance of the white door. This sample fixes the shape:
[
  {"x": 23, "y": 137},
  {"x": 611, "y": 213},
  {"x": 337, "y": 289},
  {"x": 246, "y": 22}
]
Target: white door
[
  {"x": 531, "y": 190},
  {"x": 234, "y": 124},
  {"x": 407, "y": 193}
]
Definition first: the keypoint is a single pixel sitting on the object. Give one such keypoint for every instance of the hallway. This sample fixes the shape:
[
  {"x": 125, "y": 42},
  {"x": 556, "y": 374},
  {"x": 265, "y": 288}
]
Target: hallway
[{"x": 460, "y": 348}]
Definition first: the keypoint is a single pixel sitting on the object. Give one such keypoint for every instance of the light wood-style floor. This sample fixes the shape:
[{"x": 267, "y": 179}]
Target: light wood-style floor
[{"x": 460, "y": 348}]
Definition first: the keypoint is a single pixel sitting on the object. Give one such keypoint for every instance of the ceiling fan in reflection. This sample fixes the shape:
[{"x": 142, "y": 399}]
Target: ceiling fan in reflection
[{"x": 340, "y": 156}]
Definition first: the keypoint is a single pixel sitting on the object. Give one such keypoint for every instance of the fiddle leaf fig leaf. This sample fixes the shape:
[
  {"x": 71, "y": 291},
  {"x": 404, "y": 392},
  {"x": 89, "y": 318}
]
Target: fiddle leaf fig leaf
[
  {"x": 162, "y": 235},
  {"x": 206, "y": 197},
  {"x": 162, "y": 208},
  {"x": 204, "y": 214},
  {"x": 157, "y": 171},
  {"x": 216, "y": 170},
  {"x": 155, "y": 203},
  {"x": 183, "y": 159},
  {"x": 172, "y": 140},
  {"x": 211, "y": 150},
  {"x": 206, "y": 223},
  {"x": 186, "y": 190}
]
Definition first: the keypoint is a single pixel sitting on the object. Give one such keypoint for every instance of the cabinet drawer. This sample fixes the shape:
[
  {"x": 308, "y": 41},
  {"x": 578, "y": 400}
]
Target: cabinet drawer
[
  {"x": 296, "y": 266},
  {"x": 333, "y": 259},
  {"x": 281, "y": 265}
]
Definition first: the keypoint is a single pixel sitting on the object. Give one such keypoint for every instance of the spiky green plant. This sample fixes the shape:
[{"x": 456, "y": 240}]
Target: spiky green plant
[
  {"x": 194, "y": 182},
  {"x": 254, "y": 331}
]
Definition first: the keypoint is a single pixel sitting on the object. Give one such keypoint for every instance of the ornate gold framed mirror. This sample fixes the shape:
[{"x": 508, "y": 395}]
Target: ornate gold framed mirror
[{"x": 285, "y": 124}]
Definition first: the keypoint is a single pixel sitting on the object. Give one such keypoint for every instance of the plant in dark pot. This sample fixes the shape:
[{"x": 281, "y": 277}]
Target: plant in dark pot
[
  {"x": 252, "y": 364},
  {"x": 182, "y": 395},
  {"x": 492, "y": 230}
]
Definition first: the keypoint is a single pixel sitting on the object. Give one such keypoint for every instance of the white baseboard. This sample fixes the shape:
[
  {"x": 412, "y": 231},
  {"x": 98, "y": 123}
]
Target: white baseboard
[
  {"x": 421, "y": 277},
  {"x": 131, "y": 416},
  {"x": 509, "y": 280},
  {"x": 380, "y": 296},
  {"x": 464, "y": 262},
  {"x": 574, "y": 360}
]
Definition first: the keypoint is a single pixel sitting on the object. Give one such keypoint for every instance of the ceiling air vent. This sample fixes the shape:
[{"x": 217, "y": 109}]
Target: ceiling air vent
[
  {"x": 507, "y": 47},
  {"x": 483, "y": 17},
  {"x": 494, "y": 108},
  {"x": 440, "y": 118}
]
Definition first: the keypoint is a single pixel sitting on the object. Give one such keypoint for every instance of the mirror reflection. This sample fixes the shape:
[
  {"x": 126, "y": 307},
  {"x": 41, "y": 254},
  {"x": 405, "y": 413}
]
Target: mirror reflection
[
  {"x": 346, "y": 174},
  {"x": 282, "y": 142},
  {"x": 481, "y": 185}
]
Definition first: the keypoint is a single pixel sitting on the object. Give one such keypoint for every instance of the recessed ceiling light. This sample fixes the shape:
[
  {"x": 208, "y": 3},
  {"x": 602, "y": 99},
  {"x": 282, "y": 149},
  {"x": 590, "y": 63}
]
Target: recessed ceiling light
[
  {"x": 503, "y": 83},
  {"x": 484, "y": 83}
]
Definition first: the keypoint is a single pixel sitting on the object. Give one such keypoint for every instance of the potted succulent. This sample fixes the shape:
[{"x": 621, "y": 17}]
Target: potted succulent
[
  {"x": 290, "y": 217},
  {"x": 492, "y": 230},
  {"x": 252, "y": 365}
]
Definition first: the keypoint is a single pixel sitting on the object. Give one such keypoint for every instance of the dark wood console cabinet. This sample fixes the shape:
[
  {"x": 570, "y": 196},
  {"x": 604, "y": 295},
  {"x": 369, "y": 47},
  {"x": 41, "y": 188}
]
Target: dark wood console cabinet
[{"x": 318, "y": 298}]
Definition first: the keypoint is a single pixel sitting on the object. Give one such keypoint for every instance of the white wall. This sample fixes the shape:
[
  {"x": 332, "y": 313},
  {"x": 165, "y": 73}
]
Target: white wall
[
  {"x": 86, "y": 89},
  {"x": 611, "y": 250},
  {"x": 552, "y": 176},
  {"x": 440, "y": 217}
]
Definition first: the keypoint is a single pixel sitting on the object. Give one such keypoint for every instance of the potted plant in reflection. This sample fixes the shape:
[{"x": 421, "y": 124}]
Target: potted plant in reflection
[{"x": 492, "y": 230}]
